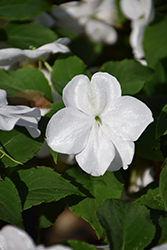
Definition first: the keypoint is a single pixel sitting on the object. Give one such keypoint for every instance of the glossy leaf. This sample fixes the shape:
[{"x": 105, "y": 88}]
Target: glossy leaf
[
  {"x": 41, "y": 184},
  {"x": 131, "y": 74},
  {"x": 10, "y": 204},
  {"x": 24, "y": 79},
  {"x": 97, "y": 189},
  {"x": 22, "y": 9},
  {"x": 128, "y": 226},
  {"x": 24, "y": 35},
  {"x": 64, "y": 69}
]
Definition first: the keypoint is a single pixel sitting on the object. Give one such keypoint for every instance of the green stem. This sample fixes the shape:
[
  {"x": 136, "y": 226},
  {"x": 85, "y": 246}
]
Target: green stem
[{"x": 4, "y": 154}]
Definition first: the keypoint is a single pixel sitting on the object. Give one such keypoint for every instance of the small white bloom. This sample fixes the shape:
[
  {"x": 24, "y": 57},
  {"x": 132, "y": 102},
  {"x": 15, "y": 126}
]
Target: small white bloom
[
  {"x": 10, "y": 56},
  {"x": 94, "y": 17},
  {"x": 98, "y": 125},
  {"x": 141, "y": 13},
  {"x": 18, "y": 115},
  {"x": 13, "y": 238}
]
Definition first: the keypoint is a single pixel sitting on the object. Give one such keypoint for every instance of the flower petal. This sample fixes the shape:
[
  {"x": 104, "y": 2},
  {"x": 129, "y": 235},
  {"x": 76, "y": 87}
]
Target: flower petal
[
  {"x": 22, "y": 116},
  {"x": 100, "y": 32},
  {"x": 124, "y": 150},
  {"x": 91, "y": 97},
  {"x": 68, "y": 131},
  {"x": 3, "y": 100},
  {"x": 127, "y": 118},
  {"x": 132, "y": 9},
  {"x": 10, "y": 56},
  {"x": 14, "y": 238},
  {"x": 98, "y": 153}
]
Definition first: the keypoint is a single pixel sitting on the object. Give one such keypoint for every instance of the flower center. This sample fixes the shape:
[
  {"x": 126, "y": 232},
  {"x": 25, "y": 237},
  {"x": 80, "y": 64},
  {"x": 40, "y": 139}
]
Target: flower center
[{"x": 98, "y": 120}]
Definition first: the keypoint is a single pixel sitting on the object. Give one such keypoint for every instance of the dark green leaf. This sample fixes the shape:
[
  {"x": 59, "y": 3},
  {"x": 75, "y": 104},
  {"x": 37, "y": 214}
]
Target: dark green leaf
[
  {"x": 163, "y": 185},
  {"x": 162, "y": 123},
  {"x": 97, "y": 190},
  {"x": 24, "y": 79},
  {"x": 22, "y": 9},
  {"x": 152, "y": 199},
  {"x": 41, "y": 184},
  {"x": 147, "y": 146},
  {"x": 24, "y": 35},
  {"x": 128, "y": 226},
  {"x": 80, "y": 245},
  {"x": 131, "y": 74},
  {"x": 10, "y": 204},
  {"x": 65, "y": 68},
  {"x": 19, "y": 145},
  {"x": 48, "y": 212}
]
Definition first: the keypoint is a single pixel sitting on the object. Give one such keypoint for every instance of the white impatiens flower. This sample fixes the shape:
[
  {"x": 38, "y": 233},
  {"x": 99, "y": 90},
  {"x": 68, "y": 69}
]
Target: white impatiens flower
[
  {"x": 160, "y": 247},
  {"x": 13, "y": 238},
  {"x": 18, "y": 115},
  {"x": 10, "y": 56},
  {"x": 98, "y": 125},
  {"x": 94, "y": 17},
  {"x": 141, "y": 13}
]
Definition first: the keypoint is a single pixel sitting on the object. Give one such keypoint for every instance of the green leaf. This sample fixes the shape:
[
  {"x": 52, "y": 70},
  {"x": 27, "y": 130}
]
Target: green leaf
[
  {"x": 152, "y": 199},
  {"x": 41, "y": 184},
  {"x": 80, "y": 245},
  {"x": 65, "y": 68},
  {"x": 24, "y": 35},
  {"x": 10, "y": 204},
  {"x": 162, "y": 123},
  {"x": 163, "y": 185},
  {"x": 48, "y": 212},
  {"x": 97, "y": 190},
  {"x": 24, "y": 79},
  {"x": 22, "y": 9},
  {"x": 54, "y": 108},
  {"x": 147, "y": 146},
  {"x": 128, "y": 226},
  {"x": 163, "y": 225},
  {"x": 19, "y": 145},
  {"x": 131, "y": 74},
  {"x": 155, "y": 40}
]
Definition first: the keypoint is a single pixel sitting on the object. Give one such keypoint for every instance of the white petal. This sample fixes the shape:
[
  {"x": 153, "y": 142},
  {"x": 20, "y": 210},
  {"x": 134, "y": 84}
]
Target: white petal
[
  {"x": 132, "y": 9},
  {"x": 100, "y": 32},
  {"x": 10, "y": 56},
  {"x": 55, "y": 47},
  {"x": 127, "y": 118},
  {"x": 58, "y": 247},
  {"x": 3, "y": 100},
  {"x": 124, "y": 150},
  {"x": 13, "y": 238},
  {"x": 91, "y": 97},
  {"x": 22, "y": 116},
  {"x": 98, "y": 153},
  {"x": 68, "y": 131}
]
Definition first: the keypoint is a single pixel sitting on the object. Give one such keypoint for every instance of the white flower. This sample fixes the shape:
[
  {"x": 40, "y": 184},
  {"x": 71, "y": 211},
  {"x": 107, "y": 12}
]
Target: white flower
[
  {"x": 94, "y": 17},
  {"x": 10, "y": 56},
  {"x": 18, "y": 115},
  {"x": 160, "y": 247},
  {"x": 98, "y": 125},
  {"x": 141, "y": 13},
  {"x": 13, "y": 238}
]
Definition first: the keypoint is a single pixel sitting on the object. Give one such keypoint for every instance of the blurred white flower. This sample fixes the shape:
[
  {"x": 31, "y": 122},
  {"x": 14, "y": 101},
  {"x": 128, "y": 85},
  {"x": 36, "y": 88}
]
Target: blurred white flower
[
  {"x": 18, "y": 115},
  {"x": 160, "y": 247},
  {"x": 94, "y": 17},
  {"x": 98, "y": 125},
  {"x": 13, "y": 238},
  {"x": 10, "y": 56},
  {"x": 141, "y": 13}
]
